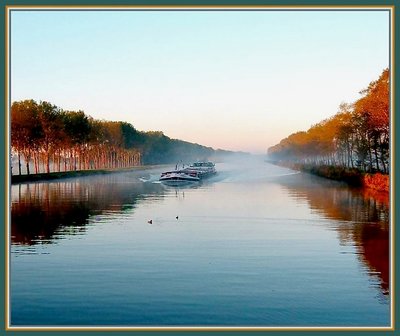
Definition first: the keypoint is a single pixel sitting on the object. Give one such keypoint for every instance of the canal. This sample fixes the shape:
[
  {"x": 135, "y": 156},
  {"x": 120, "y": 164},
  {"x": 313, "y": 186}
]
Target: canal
[{"x": 255, "y": 245}]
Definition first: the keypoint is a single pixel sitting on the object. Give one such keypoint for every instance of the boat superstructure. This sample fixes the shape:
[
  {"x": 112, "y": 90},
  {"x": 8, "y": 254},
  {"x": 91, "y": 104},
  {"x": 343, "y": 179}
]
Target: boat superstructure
[
  {"x": 204, "y": 169},
  {"x": 193, "y": 173}
]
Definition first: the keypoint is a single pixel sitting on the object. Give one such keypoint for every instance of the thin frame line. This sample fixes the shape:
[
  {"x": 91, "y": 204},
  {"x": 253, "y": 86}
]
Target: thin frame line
[
  {"x": 6, "y": 177},
  {"x": 205, "y": 7},
  {"x": 9, "y": 8}
]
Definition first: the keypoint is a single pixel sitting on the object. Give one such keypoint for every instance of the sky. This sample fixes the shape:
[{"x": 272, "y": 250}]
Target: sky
[{"x": 235, "y": 80}]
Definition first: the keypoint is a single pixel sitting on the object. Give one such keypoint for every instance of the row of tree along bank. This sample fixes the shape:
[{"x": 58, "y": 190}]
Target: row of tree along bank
[
  {"x": 347, "y": 146},
  {"x": 46, "y": 138},
  {"x": 356, "y": 137}
]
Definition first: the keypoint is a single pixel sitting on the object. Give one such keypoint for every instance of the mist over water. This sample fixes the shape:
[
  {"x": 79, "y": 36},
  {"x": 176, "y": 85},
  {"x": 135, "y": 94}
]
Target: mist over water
[{"x": 254, "y": 245}]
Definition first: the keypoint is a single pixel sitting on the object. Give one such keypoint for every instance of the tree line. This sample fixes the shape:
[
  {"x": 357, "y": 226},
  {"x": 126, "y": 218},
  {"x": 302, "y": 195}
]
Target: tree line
[
  {"x": 48, "y": 139},
  {"x": 357, "y": 136}
]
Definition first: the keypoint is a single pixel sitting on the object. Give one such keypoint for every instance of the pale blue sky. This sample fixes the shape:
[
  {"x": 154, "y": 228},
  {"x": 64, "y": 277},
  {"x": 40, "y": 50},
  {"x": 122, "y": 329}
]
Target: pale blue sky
[{"x": 237, "y": 80}]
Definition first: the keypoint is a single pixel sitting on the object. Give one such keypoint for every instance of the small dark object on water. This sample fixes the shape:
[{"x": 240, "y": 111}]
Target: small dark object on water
[
  {"x": 176, "y": 217},
  {"x": 150, "y": 221}
]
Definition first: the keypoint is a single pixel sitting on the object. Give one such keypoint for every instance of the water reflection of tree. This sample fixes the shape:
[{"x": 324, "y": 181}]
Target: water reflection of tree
[
  {"x": 362, "y": 219},
  {"x": 41, "y": 211}
]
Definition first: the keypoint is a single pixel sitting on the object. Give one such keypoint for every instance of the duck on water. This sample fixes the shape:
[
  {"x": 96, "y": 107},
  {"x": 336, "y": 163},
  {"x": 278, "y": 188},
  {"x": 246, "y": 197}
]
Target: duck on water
[{"x": 193, "y": 173}]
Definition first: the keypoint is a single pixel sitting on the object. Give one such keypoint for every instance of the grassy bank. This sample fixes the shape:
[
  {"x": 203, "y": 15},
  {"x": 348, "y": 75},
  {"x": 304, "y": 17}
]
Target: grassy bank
[
  {"x": 352, "y": 176},
  {"x": 68, "y": 174}
]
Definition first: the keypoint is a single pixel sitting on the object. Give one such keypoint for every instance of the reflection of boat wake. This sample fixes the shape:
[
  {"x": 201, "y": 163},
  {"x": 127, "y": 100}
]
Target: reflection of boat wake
[
  {"x": 181, "y": 185},
  {"x": 287, "y": 174},
  {"x": 151, "y": 178},
  {"x": 251, "y": 175}
]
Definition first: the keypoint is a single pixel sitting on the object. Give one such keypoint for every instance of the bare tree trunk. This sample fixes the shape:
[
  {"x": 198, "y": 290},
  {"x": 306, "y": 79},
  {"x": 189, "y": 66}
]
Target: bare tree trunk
[
  {"x": 376, "y": 158},
  {"x": 59, "y": 160},
  {"x": 65, "y": 162},
  {"x": 80, "y": 158},
  {"x": 53, "y": 161},
  {"x": 381, "y": 156},
  {"x": 48, "y": 162},
  {"x": 369, "y": 154},
  {"x": 19, "y": 163},
  {"x": 71, "y": 160},
  {"x": 35, "y": 162}
]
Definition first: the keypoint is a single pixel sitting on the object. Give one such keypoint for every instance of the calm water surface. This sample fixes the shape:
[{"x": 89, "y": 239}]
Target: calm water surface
[{"x": 256, "y": 245}]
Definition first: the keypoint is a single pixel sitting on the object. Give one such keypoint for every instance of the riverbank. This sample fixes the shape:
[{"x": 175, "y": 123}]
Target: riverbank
[
  {"x": 378, "y": 182},
  {"x": 352, "y": 176},
  {"x": 76, "y": 173}
]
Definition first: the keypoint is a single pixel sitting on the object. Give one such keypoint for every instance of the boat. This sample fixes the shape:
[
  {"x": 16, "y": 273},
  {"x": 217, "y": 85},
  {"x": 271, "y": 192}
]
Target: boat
[
  {"x": 179, "y": 176},
  {"x": 193, "y": 173},
  {"x": 204, "y": 169}
]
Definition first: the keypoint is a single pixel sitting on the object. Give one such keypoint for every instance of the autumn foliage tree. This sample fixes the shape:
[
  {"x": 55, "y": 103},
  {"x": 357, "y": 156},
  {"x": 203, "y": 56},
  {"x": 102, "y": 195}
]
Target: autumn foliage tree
[
  {"x": 57, "y": 140},
  {"x": 26, "y": 131},
  {"x": 357, "y": 136},
  {"x": 53, "y": 139}
]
